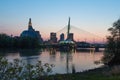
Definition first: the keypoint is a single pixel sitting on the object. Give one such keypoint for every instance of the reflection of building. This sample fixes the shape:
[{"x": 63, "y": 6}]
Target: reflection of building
[
  {"x": 61, "y": 37},
  {"x": 31, "y": 32},
  {"x": 53, "y": 38},
  {"x": 70, "y": 36}
]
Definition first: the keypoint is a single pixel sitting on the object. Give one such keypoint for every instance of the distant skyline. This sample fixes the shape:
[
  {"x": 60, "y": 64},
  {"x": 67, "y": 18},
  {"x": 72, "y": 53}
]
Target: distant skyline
[{"x": 94, "y": 16}]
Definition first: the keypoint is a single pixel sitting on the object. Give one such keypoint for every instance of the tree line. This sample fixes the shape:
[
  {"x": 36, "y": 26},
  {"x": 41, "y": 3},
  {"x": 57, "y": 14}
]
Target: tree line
[{"x": 7, "y": 41}]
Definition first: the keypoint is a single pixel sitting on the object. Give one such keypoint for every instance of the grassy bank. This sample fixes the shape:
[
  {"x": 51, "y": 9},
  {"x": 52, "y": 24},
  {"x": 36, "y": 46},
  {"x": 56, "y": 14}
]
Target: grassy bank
[{"x": 103, "y": 73}]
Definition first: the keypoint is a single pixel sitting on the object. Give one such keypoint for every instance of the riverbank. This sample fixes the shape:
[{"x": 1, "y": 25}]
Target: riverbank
[{"x": 102, "y": 73}]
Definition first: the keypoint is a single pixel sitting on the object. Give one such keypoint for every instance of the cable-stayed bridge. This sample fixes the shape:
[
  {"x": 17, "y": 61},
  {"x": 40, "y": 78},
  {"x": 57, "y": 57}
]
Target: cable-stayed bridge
[
  {"x": 79, "y": 38},
  {"x": 81, "y": 35}
]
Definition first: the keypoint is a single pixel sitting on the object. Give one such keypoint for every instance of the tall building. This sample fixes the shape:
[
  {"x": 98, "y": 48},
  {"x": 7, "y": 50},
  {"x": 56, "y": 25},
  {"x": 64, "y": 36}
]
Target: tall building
[
  {"x": 62, "y": 37},
  {"x": 53, "y": 38},
  {"x": 70, "y": 36},
  {"x": 31, "y": 32}
]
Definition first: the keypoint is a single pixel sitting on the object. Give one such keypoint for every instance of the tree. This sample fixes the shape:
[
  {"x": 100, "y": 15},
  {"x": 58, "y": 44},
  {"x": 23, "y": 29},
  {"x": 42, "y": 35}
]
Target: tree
[
  {"x": 112, "y": 54},
  {"x": 18, "y": 42},
  {"x": 5, "y": 41},
  {"x": 28, "y": 42}
]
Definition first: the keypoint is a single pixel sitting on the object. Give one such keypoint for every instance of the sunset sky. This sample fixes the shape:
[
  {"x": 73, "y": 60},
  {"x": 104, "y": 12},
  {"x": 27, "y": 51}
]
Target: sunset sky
[{"x": 94, "y": 16}]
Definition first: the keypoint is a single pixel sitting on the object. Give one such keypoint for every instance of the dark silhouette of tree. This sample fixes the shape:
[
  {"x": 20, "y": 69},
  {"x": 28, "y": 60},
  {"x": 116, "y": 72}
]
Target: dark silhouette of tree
[
  {"x": 18, "y": 42},
  {"x": 28, "y": 42},
  {"x": 5, "y": 41},
  {"x": 112, "y": 54}
]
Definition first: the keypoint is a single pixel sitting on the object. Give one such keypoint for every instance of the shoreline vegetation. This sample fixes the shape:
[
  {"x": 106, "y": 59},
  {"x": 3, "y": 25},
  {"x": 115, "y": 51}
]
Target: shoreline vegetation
[
  {"x": 18, "y": 70},
  {"x": 7, "y": 42},
  {"x": 101, "y": 73}
]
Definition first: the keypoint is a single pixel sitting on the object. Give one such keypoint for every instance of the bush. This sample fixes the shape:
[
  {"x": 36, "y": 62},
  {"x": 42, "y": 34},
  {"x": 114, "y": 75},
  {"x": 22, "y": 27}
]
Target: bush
[{"x": 17, "y": 70}]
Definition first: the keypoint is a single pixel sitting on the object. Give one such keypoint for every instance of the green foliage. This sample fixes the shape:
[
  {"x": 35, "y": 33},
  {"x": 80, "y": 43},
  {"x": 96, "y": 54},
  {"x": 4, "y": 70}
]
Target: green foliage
[
  {"x": 28, "y": 42},
  {"x": 17, "y": 70},
  {"x": 112, "y": 54},
  {"x": 5, "y": 41},
  {"x": 18, "y": 42}
]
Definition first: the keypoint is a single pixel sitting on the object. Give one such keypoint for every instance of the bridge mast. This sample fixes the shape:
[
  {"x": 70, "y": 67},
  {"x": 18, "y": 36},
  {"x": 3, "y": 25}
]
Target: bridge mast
[{"x": 68, "y": 30}]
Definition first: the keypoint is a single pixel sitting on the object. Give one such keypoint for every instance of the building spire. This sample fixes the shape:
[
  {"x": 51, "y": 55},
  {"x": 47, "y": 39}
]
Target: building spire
[{"x": 29, "y": 24}]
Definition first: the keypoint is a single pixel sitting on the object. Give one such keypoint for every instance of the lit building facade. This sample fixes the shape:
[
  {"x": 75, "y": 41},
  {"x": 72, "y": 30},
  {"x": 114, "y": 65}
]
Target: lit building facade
[
  {"x": 61, "y": 37},
  {"x": 53, "y": 38},
  {"x": 31, "y": 32},
  {"x": 71, "y": 36}
]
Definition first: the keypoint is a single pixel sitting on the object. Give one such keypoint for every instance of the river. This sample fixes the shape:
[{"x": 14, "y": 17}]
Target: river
[{"x": 64, "y": 62}]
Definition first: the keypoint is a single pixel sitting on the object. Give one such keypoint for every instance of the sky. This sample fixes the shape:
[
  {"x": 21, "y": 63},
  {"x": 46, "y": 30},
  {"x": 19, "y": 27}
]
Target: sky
[{"x": 94, "y": 16}]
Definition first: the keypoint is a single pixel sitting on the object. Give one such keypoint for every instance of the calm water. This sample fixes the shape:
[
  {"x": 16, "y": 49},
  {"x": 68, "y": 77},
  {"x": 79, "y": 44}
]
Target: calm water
[{"x": 64, "y": 61}]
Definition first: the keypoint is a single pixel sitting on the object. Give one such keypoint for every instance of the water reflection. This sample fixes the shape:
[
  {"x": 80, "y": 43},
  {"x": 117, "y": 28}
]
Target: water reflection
[
  {"x": 69, "y": 58},
  {"x": 65, "y": 62},
  {"x": 30, "y": 52},
  {"x": 73, "y": 69},
  {"x": 52, "y": 52},
  {"x": 30, "y": 56}
]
